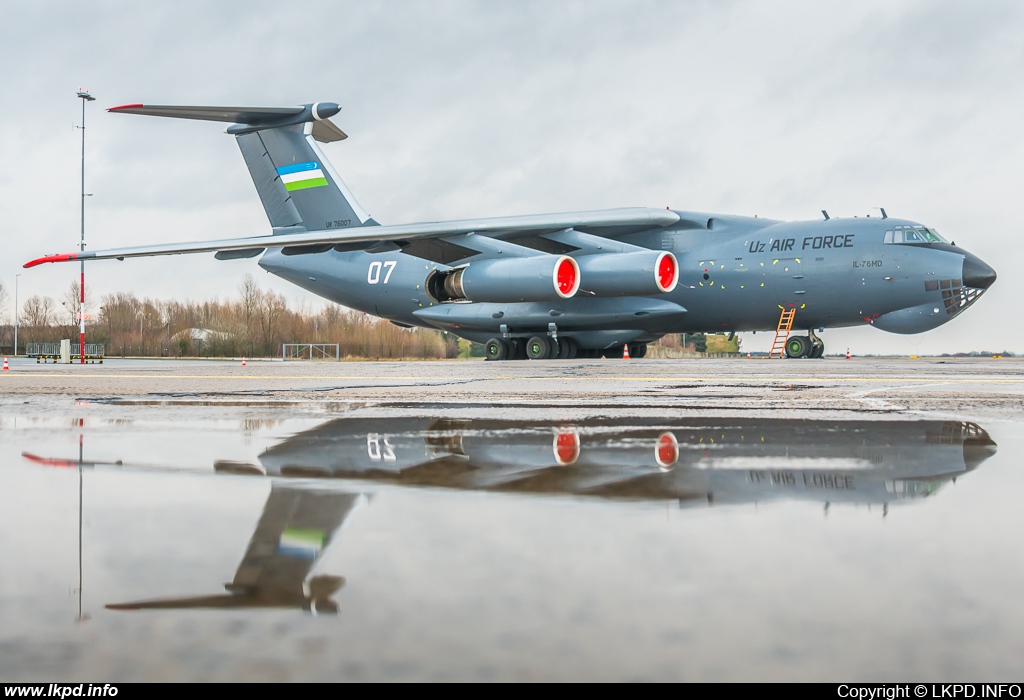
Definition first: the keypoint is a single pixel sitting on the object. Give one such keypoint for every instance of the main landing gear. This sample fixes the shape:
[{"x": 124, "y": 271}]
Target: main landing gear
[
  {"x": 541, "y": 347},
  {"x": 538, "y": 347},
  {"x": 809, "y": 345}
]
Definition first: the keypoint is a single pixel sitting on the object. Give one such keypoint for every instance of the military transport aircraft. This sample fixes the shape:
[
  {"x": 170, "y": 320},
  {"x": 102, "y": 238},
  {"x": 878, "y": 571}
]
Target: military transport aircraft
[{"x": 577, "y": 284}]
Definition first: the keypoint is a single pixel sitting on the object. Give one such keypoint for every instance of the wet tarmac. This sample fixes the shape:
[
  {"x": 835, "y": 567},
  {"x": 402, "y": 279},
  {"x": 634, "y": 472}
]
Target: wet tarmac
[{"x": 715, "y": 520}]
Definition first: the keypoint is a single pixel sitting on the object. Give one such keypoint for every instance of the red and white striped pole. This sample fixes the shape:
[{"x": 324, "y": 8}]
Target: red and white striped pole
[{"x": 81, "y": 315}]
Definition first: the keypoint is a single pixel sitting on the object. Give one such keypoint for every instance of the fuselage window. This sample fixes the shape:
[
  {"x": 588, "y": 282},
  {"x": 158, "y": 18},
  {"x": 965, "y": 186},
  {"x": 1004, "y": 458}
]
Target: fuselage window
[
  {"x": 888, "y": 237},
  {"x": 897, "y": 237},
  {"x": 912, "y": 237}
]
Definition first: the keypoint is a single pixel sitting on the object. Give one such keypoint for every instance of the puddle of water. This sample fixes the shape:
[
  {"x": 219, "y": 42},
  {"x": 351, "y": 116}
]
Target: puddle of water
[{"x": 200, "y": 544}]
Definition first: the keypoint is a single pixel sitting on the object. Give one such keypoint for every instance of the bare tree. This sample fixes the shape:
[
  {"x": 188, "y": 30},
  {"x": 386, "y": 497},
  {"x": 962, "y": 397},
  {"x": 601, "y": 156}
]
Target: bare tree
[
  {"x": 253, "y": 324},
  {"x": 252, "y": 297},
  {"x": 4, "y": 297},
  {"x": 71, "y": 301},
  {"x": 6, "y": 329},
  {"x": 273, "y": 308},
  {"x": 38, "y": 311}
]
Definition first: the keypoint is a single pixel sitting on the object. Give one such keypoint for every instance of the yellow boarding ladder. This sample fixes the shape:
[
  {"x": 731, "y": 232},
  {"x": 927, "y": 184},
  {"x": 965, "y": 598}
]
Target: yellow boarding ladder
[{"x": 782, "y": 332}]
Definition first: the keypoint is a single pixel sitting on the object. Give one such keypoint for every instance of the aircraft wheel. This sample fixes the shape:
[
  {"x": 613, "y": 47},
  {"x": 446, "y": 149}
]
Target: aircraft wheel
[
  {"x": 496, "y": 349},
  {"x": 798, "y": 346},
  {"x": 614, "y": 352},
  {"x": 567, "y": 349},
  {"x": 818, "y": 350},
  {"x": 538, "y": 348}
]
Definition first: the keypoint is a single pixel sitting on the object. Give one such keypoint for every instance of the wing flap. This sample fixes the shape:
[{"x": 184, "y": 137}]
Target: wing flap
[{"x": 637, "y": 216}]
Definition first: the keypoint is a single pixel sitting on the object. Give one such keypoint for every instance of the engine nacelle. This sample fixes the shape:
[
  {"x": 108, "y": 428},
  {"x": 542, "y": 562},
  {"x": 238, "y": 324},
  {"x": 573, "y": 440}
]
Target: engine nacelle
[
  {"x": 629, "y": 274},
  {"x": 536, "y": 278}
]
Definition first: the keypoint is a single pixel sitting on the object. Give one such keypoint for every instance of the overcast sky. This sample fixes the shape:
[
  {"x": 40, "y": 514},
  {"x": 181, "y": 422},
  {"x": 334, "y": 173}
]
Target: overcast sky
[{"x": 460, "y": 109}]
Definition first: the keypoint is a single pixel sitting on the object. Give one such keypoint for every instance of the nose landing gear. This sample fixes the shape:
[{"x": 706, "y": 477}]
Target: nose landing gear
[
  {"x": 809, "y": 345},
  {"x": 817, "y": 344},
  {"x": 798, "y": 346}
]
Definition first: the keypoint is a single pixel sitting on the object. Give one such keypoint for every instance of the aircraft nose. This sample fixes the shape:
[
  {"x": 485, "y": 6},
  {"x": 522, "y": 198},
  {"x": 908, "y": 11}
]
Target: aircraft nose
[
  {"x": 977, "y": 274},
  {"x": 977, "y": 450}
]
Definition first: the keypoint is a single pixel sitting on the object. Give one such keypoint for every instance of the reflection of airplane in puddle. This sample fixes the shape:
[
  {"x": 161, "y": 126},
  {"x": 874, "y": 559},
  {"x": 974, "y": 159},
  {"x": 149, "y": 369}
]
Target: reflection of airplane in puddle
[
  {"x": 692, "y": 460},
  {"x": 296, "y": 526}
]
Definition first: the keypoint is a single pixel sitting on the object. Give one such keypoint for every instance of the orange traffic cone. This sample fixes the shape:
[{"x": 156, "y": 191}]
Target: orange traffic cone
[
  {"x": 5, "y": 365},
  {"x": 243, "y": 362},
  {"x": 748, "y": 354},
  {"x": 847, "y": 353},
  {"x": 625, "y": 351}
]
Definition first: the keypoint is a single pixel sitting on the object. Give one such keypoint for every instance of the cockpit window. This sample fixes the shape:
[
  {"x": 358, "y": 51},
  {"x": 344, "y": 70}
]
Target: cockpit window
[{"x": 913, "y": 234}]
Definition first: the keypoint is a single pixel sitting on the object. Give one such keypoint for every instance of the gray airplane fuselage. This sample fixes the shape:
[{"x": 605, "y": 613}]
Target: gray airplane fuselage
[{"x": 735, "y": 274}]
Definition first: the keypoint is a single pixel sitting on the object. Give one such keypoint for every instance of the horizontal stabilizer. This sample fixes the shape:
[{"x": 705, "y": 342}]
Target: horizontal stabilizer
[
  {"x": 638, "y": 216},
  {"x": 237, "y": 115},
  {"x": 245, "y": 120}
]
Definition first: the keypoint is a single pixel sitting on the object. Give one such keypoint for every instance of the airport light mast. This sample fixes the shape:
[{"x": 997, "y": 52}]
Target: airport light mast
[{"x": 86, "y": 97}]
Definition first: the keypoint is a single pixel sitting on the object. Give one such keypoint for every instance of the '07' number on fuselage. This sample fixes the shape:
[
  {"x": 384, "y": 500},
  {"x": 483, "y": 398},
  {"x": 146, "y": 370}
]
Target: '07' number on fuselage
[{"x": 373, "y": 274}]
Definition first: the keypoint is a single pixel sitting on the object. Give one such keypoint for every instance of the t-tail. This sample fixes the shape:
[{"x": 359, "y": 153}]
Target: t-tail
[{"x": 299, "y": 188}]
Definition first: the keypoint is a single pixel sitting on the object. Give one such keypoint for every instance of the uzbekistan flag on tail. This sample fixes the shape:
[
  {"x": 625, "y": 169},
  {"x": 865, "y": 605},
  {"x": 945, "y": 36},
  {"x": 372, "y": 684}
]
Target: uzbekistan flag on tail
[{"x": 302, "y": 176}]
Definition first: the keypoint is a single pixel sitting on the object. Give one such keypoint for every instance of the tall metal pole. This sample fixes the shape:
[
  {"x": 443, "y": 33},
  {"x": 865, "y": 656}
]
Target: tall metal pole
[
  {"x": 86, "y": 97},
  {"x": 16, "y": 314}
]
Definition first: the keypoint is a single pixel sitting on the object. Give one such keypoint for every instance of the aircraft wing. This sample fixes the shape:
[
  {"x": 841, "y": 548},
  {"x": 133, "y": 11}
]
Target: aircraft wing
[{"x": 636, "y": 216}]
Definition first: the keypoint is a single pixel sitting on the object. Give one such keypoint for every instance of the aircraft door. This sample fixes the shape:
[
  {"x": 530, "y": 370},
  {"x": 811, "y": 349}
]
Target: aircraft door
[{"x": 789, "y": 280}]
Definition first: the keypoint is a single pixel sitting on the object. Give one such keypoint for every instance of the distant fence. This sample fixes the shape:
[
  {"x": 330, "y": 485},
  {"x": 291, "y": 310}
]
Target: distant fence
[
  {"x": 658, "y": 352},
  {"x": 91, "y": 349},
  {"x": 310, "y": 351}
]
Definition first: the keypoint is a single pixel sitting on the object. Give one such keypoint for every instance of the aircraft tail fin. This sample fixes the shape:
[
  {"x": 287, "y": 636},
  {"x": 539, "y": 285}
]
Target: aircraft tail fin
[{"x": 298, "y": 187}]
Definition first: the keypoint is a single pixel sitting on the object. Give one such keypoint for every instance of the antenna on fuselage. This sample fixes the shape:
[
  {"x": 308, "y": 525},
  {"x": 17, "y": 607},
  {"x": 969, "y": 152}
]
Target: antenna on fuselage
[
  {"x": 882, "y": 209},
  {"x": 825, "y": 214}
]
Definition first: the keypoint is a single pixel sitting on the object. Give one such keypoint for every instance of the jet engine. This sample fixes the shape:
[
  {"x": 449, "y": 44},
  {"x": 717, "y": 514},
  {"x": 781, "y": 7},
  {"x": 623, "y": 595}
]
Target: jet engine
[
  {"x": 629, "y": 274},
  {"x": 536, "y": 278}
]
